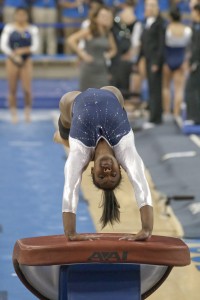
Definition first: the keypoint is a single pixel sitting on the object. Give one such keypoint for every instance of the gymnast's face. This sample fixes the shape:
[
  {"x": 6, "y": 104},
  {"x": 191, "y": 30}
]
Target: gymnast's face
[
  {"x": 21, "y": 16},
  {"x": 106, "y": 172}
]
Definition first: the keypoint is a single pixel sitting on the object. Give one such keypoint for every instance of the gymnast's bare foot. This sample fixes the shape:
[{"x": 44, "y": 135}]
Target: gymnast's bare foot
[
  {"x": 27, "y": 113},
  {"x": 14, "y": 116},
  {"x": 58, "y": 139}
]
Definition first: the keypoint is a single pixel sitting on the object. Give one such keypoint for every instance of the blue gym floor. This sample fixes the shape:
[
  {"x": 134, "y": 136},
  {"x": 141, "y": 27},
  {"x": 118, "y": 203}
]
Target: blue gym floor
[
  {"x": 46, "y": 92},
  {"x": 31, "y": 185},
  {"x": 31, "y": 181}
]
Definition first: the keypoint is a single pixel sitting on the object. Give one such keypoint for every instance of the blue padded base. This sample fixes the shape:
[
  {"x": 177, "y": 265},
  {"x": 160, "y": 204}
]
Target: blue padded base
[
  {"x": 100, "y": 281},
  {"x": 191, "y": 129}
]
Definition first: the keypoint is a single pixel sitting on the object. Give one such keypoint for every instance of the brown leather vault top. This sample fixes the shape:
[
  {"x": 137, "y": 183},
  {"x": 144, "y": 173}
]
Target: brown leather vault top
[{"x": 58, "y": 250}]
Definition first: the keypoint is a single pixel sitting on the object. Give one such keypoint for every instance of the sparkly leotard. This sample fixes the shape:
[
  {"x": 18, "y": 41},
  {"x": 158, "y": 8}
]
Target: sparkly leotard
[
  {"x": 12, "y": 39},
  {"x": 98, "y": 114},
  {"x": 20, "y": 39}
]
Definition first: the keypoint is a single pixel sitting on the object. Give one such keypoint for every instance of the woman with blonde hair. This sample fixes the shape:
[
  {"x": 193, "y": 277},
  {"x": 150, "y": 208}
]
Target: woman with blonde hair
[{"x": 99, "y": 49}]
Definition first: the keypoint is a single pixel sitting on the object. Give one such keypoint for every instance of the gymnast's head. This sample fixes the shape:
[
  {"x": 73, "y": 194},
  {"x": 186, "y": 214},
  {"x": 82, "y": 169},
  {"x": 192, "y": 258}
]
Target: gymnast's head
[
  {"x": 21, "y": 15},
  {"x": 106, "y": 176}
]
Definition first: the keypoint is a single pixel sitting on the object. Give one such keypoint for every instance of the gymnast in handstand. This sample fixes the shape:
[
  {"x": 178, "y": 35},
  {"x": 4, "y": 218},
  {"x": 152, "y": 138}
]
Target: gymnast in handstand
[{"x": 95, "y": 126}]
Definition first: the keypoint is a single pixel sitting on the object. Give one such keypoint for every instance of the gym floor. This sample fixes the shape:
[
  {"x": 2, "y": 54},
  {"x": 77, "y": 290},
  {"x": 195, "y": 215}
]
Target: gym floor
[{"x": 31, "y": 185}]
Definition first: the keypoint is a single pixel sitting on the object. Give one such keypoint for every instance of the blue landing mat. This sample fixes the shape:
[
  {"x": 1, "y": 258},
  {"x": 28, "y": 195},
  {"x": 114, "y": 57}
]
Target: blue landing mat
[
  {"x": 191, "y": 129},
  {"x": 46, "y": 92},
  {"x": 31, "y": 186}
]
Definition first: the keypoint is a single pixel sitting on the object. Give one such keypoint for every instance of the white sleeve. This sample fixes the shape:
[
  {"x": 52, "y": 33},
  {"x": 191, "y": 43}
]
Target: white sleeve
[
  {"x": 188, "y": 32},
  {"x": 136, "y": 35},
  {"x": 4, "y": 43},
  {"x": 35, "y": 39},
  {"x": 128, "y": 157},
  {"x": 79, "y": 157}
]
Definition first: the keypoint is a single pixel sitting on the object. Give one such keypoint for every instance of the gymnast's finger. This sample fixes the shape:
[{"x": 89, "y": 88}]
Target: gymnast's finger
[{"x": 126, "y": 237}]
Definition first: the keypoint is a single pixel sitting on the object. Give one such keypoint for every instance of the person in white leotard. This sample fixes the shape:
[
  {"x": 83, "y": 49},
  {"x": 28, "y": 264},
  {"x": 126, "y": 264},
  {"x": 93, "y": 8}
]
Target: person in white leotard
[{"x": 95, "y": 125}]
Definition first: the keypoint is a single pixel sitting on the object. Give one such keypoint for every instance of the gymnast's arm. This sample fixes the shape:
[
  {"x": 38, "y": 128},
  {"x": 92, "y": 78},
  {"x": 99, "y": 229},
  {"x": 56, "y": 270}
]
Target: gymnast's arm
[
  {"x": 5, "y": 47},
  {"x": 4, "y": 44},
  {"x": 15, "y": 55},
  {"x": 78, "y": 159},
  {"x": 129, "y": 159}
]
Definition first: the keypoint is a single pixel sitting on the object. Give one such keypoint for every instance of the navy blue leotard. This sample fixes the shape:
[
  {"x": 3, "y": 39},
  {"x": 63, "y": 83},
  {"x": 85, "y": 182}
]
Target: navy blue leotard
[
  {"x": 20, "y": 39},
  {"x": 97, "y": 114}
]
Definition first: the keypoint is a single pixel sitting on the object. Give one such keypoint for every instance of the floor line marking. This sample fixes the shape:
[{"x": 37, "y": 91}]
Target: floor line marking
[{"x": 195, "y": 139}]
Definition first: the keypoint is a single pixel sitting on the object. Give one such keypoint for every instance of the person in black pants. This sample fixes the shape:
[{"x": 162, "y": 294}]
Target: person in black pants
[
  {"x": 152, "y": 48},
  {"x": 192, "y": 93}
]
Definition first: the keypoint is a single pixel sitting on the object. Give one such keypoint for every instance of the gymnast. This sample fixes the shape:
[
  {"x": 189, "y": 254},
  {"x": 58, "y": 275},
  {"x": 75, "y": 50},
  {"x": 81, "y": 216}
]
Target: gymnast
[
  {"x": 19, "y": 40},
  {"x": 95, "y": 126}
]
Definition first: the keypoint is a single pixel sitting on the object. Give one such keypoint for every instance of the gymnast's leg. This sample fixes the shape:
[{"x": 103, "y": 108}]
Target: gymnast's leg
[
  {"x": 13, "y": 77},
  {"x": 116, "y": 92},
  {"x": 26, "y": 79},
  {"x": 62, "y": 135}
]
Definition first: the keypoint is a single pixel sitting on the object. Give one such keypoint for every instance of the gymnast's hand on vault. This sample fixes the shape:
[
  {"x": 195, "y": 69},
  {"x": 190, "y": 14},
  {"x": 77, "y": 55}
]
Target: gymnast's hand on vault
[
  {"x": 81, "y": 237},
  {"x": 142, "y": 235}
]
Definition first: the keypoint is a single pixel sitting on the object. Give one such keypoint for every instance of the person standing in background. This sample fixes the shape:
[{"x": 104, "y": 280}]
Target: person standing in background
[
  {"x": 45, "y": 12},
  {"x": 18, "y": 41},
  {"x": 127, "y": 32},
  {"x": 99, "y": 48},
  {"x": 177, "y": 39},
  {"x": 192, "y": 3},
  {"x": 9, "y": 7},
  {"x": 192, "y": 93},
  {"x": 73, "y": 13},
  {"x": 152, "y": 48},
  {"x": 94, "y": 5}
]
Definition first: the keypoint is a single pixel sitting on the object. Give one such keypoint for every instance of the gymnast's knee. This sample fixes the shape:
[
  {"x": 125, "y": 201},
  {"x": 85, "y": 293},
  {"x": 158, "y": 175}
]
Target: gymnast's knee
[{"x": 64, "y": 132}]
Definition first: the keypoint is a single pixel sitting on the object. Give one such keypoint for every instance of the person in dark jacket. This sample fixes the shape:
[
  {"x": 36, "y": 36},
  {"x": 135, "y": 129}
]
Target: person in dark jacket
[
  {"x": 192, "y": 95},
  {"x": 152, "y": 48}
]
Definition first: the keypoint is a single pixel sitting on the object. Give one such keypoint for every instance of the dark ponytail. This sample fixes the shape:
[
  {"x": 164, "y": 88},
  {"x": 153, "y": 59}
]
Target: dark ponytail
[
  {"x": 110, "y": 205},
  {"x": 111, "y": 212},
  {"x": 175, "y": 14}
]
